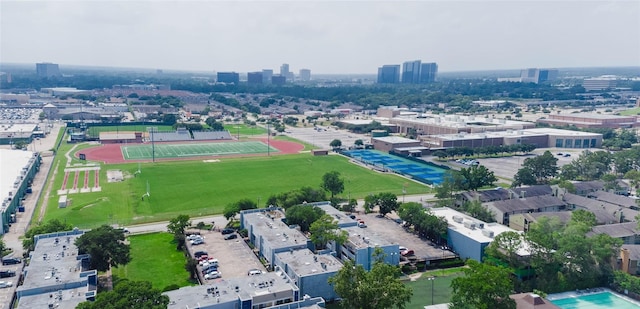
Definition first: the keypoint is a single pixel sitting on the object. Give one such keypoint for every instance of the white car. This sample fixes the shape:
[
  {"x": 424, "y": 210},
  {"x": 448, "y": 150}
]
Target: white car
[
  {"x": 213, "y": 275},
  {"x": 6, "y": 284},
  {"x": 210, "y": 261}
]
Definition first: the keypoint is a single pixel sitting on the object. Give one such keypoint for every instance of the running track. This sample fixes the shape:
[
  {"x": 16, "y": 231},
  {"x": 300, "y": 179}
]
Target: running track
[
  {"x": 86, "y": 180},
  {"x": 75, "y": 180},
  {"x": 64, "y": 182}
]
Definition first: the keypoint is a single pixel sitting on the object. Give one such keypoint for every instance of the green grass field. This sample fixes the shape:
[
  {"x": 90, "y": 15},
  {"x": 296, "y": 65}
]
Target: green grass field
[
  {"x": 143, "y": 152},
  {"x": 95, "y": 131},
  {"x": 422, "y": 290},
  {"x": 154, "y": 258},
  {"x": 631, "y": 112},
  {"x": 244, "y": 129},
  {"x": 197, "y": 188}
]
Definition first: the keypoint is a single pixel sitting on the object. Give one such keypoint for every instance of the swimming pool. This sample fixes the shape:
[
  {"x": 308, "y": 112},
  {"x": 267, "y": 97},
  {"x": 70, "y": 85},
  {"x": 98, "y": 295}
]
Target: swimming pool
[{"x": 594, "y": 301}]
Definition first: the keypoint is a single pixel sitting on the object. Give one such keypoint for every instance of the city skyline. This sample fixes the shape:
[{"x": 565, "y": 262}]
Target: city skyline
[{"x": 325, "y": 37}]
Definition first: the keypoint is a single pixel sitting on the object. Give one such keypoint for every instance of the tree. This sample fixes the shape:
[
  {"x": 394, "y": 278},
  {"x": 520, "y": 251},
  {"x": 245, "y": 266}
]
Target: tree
[
  {"x": 472, "y": 290},
  {"x": 50, "y": 226},
  {"x": 129, "y": 294},
  {"x": 505, "y": 246},
  {"x": 178, "y": 224},
  {"x": 232, "y": 209},
  {"x": 332, "y": 182},
  {"x": 379, "y": 288},
  {"x": 387, "y": 202},
  {"x": 336, "y": 143},
  {"x": 477, "y": 176},
  {"x": 542, "y": 167},
  {"x": 358, "y": 143},
  {"x": 213, "y": 124},
  {"x": 106, "y": 247},
  {"x": 303, "y": 216},
  {"x": 326, "y": 229},
  {"x": 524, "y": 176}
]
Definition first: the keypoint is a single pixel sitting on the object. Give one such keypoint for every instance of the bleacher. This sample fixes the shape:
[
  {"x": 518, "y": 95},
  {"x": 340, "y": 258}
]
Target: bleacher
[
  {"x": 177, "y": 136},
  {"x": 211, "y": 135}
]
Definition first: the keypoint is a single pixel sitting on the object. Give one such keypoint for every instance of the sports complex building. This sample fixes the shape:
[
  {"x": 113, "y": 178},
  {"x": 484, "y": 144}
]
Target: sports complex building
[{"x": 18, "y": 170}]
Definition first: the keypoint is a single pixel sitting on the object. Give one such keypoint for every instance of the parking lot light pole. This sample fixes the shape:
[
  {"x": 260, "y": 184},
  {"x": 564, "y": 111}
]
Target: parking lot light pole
[{"x": 431, "y": 278}]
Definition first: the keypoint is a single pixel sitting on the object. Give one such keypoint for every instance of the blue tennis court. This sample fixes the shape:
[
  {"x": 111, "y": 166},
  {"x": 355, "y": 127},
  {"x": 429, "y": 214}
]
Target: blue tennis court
[{"x": 419, "y": 171}]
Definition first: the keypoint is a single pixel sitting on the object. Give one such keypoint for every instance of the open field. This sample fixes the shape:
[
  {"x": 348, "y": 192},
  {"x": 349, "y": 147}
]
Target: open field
[
  {"x": 144, "y": 152},
  {"x": 631, "y": 112},
  {"x": 198, "y": 188},
  {"x": 154, "y": 258},
  {"x": 422, "y": 290},
  {"x": 244, "y": 129}
]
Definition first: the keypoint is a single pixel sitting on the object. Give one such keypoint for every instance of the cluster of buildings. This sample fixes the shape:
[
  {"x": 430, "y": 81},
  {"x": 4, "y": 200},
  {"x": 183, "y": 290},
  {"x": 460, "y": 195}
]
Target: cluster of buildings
[
  {"x": 413, "y": 72},
  {"x": 265, "y": 76}
]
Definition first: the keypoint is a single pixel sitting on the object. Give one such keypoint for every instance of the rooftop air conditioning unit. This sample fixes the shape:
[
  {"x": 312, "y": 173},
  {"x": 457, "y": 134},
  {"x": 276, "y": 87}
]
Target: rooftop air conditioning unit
[
  {"x": 487, "y": 233},
  {"x": 457, "y": 219},
  {"x": 470, "y": 225}
]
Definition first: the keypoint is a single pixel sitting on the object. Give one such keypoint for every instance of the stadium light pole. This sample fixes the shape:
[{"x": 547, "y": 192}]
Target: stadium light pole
[
  {"x": 153, "y": 147},
  {"x": 268, "y": 147}
]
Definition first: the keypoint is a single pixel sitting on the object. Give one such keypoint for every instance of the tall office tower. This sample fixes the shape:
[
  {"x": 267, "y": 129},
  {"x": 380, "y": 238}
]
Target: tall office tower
[
  {"x": 278, "y": 79},
  {"x": 266, "y": 76},
  {"x": 284, "y": 71},
  {"x": 228, "y": 77},
  {"x": 411, "y": 72},
  {"x": 428, "y": 72},
  {"x": 533, "y": 75},
  {"x": 254, "y": 78},
  {"x": 47, "y": 69},
  {"x": 389, "y": 74},
  {"x": 305, "y": 75}
]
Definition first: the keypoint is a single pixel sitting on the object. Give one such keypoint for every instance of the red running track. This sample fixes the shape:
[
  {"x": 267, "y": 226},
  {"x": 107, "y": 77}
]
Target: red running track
[
  {"x": 86, "y": 179},
  {"x": 111, "y": 153},
  {"x": 97, "y": 183},
  {"x": 64, "y": 182},
  {"x": 75, "y": 180}
]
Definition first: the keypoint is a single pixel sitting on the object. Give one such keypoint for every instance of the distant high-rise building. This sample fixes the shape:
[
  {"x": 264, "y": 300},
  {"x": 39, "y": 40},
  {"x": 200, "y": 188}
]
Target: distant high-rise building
[
  {"x": 284, "y": 71},
  {"x": 266, "y": 76},
  {"x": 389, "y": 74},
  {"x": 278, "y": 79},
  {"x": 228, "y": 77},
  {"x": 254, "y": 78},
  {"x": 411, "y": 72},
  {"x": 533, "y": 75},
  {"x": 305, "y": 75},
  {"x": 47, "y": 69},
  {"x": 600, "y": 83},
  {"x": 428, "y": 72}
]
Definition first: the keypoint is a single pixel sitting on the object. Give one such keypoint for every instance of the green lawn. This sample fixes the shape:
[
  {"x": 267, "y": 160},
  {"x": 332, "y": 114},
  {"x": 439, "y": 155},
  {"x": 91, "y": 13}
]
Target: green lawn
[
  {"x": 95, "y": 131},
  {"x": 244, "y": 129},
  {"x": 631, "y": 112},
  {"x": 422, "y": 290},
  {"x": 146, "y": 151},
  {"x": 198, "y": 188},
  {"x": 154, "y": 258}
]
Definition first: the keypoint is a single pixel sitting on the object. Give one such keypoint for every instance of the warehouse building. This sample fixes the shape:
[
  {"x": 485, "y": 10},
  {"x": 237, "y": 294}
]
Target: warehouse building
[
  {"x": 18, "y": 170},
  {"x": 585, "y": 121}
]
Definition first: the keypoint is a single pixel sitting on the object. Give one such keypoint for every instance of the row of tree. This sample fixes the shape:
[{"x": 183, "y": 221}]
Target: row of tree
[
  {"x": 423, "y": 221},
  {"x": 489, "y": 150}
]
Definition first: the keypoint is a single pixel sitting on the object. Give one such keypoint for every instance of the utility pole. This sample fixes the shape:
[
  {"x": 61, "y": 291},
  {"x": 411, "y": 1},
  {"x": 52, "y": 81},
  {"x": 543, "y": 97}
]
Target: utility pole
[
  {"x": 153, "y": 146},
  {"x": 268, "y": 147}
]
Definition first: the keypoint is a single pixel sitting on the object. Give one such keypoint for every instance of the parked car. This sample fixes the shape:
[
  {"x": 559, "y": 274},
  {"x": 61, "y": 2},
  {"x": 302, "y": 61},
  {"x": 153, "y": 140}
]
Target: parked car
[
  {"x": 362, "y": 224},
  {"x": 198, "y": 254},
  {"x": 407, "y": 253},
  {"x": 5, "y": 284},
  {"x": 209, "y": 262},
  {"x": 226, "y": 231},
  {"x": 213, "y": 275},
  {"x": 209, "y": 268},
  {"x": 196, "y": 242},
  {"x": 231, "y": 236},
  {"x": 11, "y": 261},
  {"x": 254, "y": 272},
  {"x": 7, "y": 273},
  {"x": 194, "y": 237},
  {"x": 567, "y": 155},
  {"x": 203, "y": 258}
]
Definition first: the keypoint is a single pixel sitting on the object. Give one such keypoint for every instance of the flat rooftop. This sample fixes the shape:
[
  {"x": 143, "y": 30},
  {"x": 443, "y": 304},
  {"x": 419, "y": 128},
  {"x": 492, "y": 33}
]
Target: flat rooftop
[
  {"x": 53, "y": 262},
  {"x": 395, "y": 139},
  {"x": 343, "y": 219},
  {"x": 63, "y": 299},
  {"x": 594, "y": 116},
  {"x": 365, "y": 238},
  {"x": 17, "y": 130},
  {"x": 475, "y": 234},
  {"x": 304, "y": 262},
  {"x": 231, "y": 290},
  {"x": 457, "y": 121},
  {"x": 13, "y": 164},
  {"x": 269, "y": 225},
  {"x": 513, "y": 133}
]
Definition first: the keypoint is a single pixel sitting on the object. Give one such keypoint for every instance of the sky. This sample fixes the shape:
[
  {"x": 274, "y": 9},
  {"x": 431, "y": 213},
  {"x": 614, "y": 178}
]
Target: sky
[{"x": 330, "y": 37}]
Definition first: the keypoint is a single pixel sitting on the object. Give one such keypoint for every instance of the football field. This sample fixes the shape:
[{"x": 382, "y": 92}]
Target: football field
[{"x": 144, "y": 152}]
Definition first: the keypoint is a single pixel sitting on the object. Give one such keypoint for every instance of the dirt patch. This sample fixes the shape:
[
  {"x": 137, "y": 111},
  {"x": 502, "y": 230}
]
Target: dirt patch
[{"x": 114, "y": 176}]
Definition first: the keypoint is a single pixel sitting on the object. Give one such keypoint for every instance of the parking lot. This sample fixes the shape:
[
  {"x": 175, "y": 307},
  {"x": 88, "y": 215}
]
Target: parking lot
[
  {"x": 235, "y": 258},
  {"x": 6, "y": 293},
  {"x": 322, "y": 136},
  {"x": 395, "y": 233}
]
